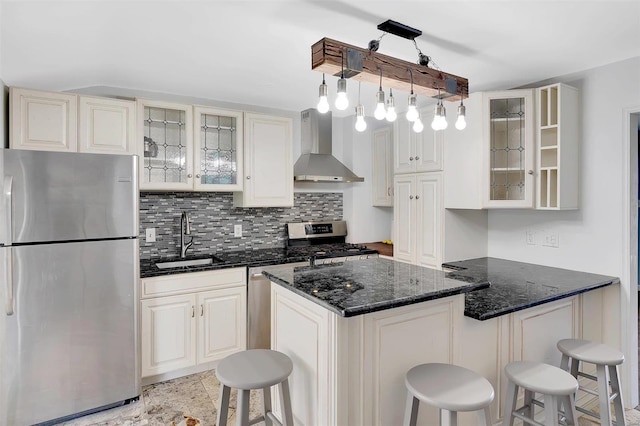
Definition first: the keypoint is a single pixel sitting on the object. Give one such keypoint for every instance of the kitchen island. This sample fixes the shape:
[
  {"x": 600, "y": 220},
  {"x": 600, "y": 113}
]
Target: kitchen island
[{"x": 354, "y": 329}]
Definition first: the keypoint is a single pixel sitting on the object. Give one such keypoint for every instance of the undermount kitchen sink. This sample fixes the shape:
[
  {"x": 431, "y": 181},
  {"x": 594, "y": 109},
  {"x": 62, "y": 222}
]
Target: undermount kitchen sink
[{"x": 187, "y": 262}]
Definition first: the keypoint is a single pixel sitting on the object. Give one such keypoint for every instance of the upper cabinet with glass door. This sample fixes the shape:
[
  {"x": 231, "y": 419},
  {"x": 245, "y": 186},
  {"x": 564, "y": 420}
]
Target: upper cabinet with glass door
[
  {"x": 166, "y": 152},
  {"x": 218, "y": 154},
  {"x": 509, "y": 176}
]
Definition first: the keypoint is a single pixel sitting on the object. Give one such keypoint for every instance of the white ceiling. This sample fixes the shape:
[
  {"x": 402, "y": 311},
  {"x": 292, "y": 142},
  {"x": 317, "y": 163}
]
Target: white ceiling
[{"x": 259, "y": 52}]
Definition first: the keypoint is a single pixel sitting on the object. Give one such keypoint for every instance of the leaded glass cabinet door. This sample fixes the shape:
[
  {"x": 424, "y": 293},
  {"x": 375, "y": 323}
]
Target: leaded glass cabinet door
[
  {"x": 165, "y": 132},
  {"x": 509, "y": 156},
  {"x": 218, "y": 143}
]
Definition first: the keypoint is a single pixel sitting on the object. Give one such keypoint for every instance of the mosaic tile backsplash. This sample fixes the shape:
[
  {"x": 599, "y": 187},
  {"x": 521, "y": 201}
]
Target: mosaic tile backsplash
[{"x": 213, "y": 218}]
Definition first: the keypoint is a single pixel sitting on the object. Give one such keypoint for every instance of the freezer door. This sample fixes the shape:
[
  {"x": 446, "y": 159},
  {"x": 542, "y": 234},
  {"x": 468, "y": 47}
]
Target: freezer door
[
  {"x": 58, "y": 196},
  {"x": 71, "y": 343}
]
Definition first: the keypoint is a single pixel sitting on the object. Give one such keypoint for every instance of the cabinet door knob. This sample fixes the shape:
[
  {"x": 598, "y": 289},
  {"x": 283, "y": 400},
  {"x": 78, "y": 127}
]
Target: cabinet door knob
[
  {"x": 411, "y": 197},
  {"x": 389, "y": 191},
  {"x": 410, "y": 158},
  {"x": 417, "y": 158},
  {"x": 248, "y": 177},
  {"x": 201, "y": 310},
  {"x": 198, "y": 176},
  {"x": 189, "y": 175},
  {"x": 417, "y": 197},
  {"x": 530, "y": 172},
  {"x": 193, "y": 311}
]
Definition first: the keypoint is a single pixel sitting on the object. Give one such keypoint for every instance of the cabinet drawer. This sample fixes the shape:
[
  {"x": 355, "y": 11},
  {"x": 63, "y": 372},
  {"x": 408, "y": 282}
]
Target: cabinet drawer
[{"x": 195, "y": 281}]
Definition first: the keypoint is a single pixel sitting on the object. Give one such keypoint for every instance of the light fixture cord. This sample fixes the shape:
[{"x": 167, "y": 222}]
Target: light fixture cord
[
  {"x": 341, "y": 64},
  {"x": 380, "y": 69},
  {"x": 323, "y": 79},
  {"x": 411, "y": 74}
]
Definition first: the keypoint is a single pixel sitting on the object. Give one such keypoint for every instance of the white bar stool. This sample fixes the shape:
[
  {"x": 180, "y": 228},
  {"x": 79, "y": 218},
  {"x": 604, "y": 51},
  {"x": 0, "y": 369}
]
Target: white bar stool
[
  {"x": 557, "y": 386},
  {"x": 450, "y": 388},
  {"x": 255, "y": 369},
  {"x": 606, "y": 360}
]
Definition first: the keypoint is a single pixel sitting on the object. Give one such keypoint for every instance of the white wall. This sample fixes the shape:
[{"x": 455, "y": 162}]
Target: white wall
[
  {"x": 591, "y": 238},
  {"x": 366, "y": 223}
]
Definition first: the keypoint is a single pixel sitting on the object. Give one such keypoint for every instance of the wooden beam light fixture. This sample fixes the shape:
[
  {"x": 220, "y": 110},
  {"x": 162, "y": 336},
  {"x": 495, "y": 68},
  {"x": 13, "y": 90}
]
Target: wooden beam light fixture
[{"x": 366, "y": 65}]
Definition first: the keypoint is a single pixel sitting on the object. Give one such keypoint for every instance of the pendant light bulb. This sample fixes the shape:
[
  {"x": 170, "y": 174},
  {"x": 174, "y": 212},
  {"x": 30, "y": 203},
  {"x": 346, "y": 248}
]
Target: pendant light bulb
[
  {"x": 361, "y": 124},
  {"x": 461, "y": 122},
  {"x": 342, "y": 102},
  {"x": 323, "y": 102},
  {"x": 391, "y": 108},
  {"x": 418, "y": 127},
  {"x": 439, "y": 117},
  {"x": 412, "y": 111},
  {"x": 380, "y": 113}
]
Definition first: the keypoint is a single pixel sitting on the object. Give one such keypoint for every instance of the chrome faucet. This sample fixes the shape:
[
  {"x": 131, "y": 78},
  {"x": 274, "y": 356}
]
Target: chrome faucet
[{"x": 185, "y": 229}]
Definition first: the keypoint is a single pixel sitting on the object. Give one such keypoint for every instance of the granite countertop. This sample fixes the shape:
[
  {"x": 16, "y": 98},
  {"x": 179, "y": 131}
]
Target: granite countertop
[
  {"x": 517, "y": 285},
  {"x": 227, "y": 259},
  {"x": 362, "y": 286}
]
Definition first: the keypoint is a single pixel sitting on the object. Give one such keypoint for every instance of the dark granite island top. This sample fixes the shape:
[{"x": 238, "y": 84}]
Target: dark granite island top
[
  {"x": 517, "y": 285},
  {"x": 363, "y": 286}
]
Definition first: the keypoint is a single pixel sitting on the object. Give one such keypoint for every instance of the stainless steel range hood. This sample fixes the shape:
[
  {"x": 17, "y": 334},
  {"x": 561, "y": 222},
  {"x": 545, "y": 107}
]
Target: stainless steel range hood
[{"x": 316, "y": 164}]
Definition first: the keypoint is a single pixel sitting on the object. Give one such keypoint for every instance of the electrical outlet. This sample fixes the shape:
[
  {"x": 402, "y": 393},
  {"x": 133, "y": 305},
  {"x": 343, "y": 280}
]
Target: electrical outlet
[
  {"x": 150, "y": 235},
  {"x": 551, "y": 239},
  {"x": 531, "y": 238},
  {"x": 237, "y": 230}
]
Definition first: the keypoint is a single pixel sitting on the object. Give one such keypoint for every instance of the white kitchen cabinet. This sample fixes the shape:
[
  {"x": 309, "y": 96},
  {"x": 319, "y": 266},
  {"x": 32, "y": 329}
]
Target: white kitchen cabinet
[
  {"x": 43, "y": 120},
  {"x": 165, "y": 145},
  {"x": 417, "y": 152},
  {"x": 168, "y": 333},
  {"x": 382, "y": 168},
  {"x": 218, "y": 149},
  {"x": 490, "y": 164},
  {"x": 268, "y": 162},
  {"x": 107, "y": 126},
  {"x": 418, "y": 218},
  {"x": 190, "y": 321},
  {"x": 557, "y": 156}
]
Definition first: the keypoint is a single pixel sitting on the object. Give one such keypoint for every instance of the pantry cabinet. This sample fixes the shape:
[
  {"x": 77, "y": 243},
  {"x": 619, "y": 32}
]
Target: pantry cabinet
[
  {"x": 52, "y": 121},
  {"x": 417, "y": 219},
  {"x": 268, "y": 162},
  {"x": 417, "y": 152},
  {"x": 490, "y": 164},
  {"x": 191, "y": 320},
  {"x": 382, "y": 168}
]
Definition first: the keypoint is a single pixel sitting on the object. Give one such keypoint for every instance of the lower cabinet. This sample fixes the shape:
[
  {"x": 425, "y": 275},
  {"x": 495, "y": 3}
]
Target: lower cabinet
[{"x": 200, "y": 318}]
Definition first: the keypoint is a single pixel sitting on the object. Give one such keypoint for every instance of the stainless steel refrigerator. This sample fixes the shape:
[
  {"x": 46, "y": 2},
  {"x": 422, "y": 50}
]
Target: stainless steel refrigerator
[{"x": 68, "y": 284}]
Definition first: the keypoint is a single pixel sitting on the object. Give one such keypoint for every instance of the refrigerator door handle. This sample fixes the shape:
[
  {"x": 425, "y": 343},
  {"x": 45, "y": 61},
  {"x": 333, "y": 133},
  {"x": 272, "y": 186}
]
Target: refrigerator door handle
[
  {"x": 8, "y": 282},
  {"x": 7, "y": 198}
]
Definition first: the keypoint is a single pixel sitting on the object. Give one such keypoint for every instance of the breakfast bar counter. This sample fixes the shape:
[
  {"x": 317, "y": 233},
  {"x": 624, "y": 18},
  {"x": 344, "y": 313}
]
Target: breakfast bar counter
[{"x": 354, "y": 329}]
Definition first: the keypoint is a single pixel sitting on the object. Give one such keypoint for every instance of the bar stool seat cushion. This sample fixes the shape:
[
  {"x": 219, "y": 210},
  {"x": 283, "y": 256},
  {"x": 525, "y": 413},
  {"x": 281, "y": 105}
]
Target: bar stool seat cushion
[
  {"x": 542, "y": 378},
  {"x": 254, "y": 369},
  {"x": 449, "y": 387},
  {"x": 591, "y": 352}
]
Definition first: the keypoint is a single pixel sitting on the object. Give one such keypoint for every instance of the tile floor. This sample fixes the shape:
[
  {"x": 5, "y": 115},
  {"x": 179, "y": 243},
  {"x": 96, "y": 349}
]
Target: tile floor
[{"x": 185, "y": 401}]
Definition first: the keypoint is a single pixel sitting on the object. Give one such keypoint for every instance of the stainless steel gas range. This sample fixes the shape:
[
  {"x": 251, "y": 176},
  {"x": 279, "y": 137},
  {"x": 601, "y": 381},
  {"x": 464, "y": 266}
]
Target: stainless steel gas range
[{"x": 319, "y": 243}]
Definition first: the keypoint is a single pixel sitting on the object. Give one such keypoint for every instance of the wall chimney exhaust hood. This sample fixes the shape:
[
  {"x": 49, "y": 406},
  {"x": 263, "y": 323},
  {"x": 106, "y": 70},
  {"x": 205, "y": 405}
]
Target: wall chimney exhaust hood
[{"x": 316, "y": 164}]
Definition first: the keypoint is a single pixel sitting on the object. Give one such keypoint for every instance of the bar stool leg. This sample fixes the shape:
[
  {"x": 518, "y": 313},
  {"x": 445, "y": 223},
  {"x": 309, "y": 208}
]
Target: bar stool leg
[
  {"x": 551, "y": 410},
  {"x": 285, "y": 401},
  {"x": 411, "y": 410},
  {"x": 242, "y": 411},
  {"x": 618, "y": 406},
  {"x": 448, "y": 418},
  {"x": 484, "y": 417},
  {"x": 564, "y": 363},
  {"x": 603, "y": 390},
  {"x": 569, "y": 408},
  {"x": 223, "y": 405},
  {"x": 528, "y": 398},
  {"x": 575, "y": 364},
  {"x": 266, "y": 405},
  {"x": 510, "y": 404}
]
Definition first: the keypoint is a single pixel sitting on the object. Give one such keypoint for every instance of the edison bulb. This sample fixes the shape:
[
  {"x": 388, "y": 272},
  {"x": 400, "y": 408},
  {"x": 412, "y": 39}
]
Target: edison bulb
[
  {"x": 342, "y": 102},
  {"x": 412, "y": 113},
  {"x": 418, "y": 127},
  {"x": 391, "y": 113},
  {"x": 461, "y": 123},
  {"x": 380, "y": 113},
  {"x": 361, "y": 124},
  {"x": 323, "y": 105}
]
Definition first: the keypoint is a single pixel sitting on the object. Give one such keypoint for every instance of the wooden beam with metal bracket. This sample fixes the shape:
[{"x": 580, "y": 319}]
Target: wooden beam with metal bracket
[{"x": 365, "y": 65}]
